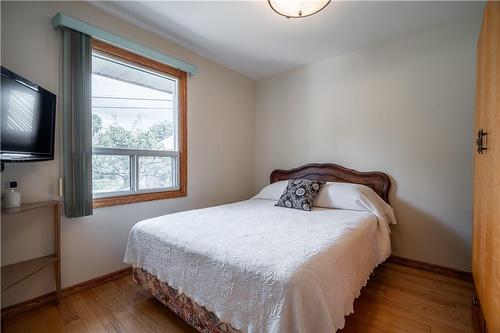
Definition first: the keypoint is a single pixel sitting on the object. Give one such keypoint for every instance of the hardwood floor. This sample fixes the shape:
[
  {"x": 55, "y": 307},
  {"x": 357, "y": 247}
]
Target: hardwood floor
[
  {"x": 398, "y": 299},
  {"x": 404, "y": 299}
]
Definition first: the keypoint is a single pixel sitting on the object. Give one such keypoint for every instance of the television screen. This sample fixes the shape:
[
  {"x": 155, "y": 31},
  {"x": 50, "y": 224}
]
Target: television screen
[{"x": 28, "y": 119}]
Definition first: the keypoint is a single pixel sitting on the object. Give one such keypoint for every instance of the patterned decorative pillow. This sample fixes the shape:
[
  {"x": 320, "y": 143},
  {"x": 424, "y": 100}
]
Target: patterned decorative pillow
[{"x": 300, "y": 193}]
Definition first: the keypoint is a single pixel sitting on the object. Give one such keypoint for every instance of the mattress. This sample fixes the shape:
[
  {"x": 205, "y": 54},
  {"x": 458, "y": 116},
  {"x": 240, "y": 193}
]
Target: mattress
[{"x": 263, "y": 268}]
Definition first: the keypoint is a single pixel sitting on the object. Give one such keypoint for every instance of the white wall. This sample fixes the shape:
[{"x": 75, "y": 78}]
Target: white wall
[
  {"x": 404, "y": 107},
  {"x": 220, "y": 148}
]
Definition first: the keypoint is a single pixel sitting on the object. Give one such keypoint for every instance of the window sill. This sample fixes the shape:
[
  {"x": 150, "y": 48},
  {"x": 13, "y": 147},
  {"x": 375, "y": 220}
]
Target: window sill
[{"x": 136, "y": 198}]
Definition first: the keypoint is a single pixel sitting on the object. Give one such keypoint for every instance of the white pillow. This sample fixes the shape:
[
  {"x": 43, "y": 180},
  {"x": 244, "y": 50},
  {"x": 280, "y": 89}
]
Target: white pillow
[
  {"x": 272, "y": 191},
  {"x": 341, "y": 196},
  {"x": 354, "y": 197}
]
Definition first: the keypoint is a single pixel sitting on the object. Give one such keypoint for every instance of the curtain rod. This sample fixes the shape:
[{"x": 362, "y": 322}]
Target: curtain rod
[{"x": 62, "y": 20}]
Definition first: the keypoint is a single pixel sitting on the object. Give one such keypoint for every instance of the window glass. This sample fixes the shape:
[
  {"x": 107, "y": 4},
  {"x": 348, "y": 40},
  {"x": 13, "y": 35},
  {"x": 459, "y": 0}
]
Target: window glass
[
  {"x": 156, "y": 172},
  {"x": 134, "y": 128},
  {"x": 131, "y": 108},
  {"x": 110, "y": 173}
]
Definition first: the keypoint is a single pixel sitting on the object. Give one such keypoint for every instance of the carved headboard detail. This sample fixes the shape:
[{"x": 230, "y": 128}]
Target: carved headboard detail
[{"x": 378, "y": 181}]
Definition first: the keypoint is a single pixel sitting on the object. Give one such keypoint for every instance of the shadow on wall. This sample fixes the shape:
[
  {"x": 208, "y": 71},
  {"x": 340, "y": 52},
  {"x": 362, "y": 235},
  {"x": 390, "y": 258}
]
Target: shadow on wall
[{"x": 424, "y": 233}]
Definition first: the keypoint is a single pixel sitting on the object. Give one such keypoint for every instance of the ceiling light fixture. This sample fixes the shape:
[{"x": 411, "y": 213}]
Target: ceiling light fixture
[{"x": 297, "y": 8}]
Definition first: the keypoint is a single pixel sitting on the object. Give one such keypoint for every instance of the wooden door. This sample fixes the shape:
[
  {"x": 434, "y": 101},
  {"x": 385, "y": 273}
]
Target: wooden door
[{"x": 486, "y": 232}]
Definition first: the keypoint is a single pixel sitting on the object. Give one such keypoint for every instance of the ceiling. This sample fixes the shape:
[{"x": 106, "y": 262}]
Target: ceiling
[{"x": 249, "y": 37}]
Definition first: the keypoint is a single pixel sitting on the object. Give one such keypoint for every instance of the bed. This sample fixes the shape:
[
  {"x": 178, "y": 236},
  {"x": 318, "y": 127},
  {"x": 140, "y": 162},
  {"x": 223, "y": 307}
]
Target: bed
[{"x": 253, "y": 267}]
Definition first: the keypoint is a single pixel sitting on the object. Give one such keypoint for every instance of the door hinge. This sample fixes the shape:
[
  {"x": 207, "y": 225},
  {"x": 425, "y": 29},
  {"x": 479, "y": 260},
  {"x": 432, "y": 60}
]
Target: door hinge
[{"x": 480, "y": 141}]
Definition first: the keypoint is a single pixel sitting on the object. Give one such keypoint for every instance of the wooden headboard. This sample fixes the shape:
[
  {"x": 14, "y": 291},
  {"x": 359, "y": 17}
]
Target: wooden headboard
[{"x": 378, "y": 181}]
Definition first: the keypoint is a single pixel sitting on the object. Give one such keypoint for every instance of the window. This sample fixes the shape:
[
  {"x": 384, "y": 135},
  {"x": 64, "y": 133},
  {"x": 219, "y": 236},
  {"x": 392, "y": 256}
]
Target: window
[{"x": 138, "y": 128}]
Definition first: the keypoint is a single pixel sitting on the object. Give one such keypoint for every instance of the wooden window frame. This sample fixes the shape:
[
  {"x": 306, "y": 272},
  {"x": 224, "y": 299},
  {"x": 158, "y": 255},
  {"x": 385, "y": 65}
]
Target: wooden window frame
[{"x": 182, "y": 127}]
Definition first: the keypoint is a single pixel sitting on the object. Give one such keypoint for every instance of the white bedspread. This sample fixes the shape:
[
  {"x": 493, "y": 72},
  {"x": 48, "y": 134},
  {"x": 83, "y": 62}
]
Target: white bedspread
[{"x": 264, "y": 268}]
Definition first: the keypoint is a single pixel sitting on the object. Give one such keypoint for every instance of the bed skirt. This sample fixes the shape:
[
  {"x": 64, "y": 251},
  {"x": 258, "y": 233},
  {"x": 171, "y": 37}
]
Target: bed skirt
[{"x": 191, "y": 312}]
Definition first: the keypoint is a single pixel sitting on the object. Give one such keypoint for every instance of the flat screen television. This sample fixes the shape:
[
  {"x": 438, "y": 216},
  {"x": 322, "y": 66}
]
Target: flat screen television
[{"x": 28, "y": 114}]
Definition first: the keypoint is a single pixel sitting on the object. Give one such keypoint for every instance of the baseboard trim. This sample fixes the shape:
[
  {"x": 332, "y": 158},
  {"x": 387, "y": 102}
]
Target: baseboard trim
[
  {"x": 96, "y": 281},
  {"x": 30, "y": 304},
  {"x": 458, "y": 274},
  {"x": 33, "y": 303}
]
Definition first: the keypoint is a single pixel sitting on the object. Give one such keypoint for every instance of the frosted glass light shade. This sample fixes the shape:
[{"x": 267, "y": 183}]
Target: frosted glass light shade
[{"x": 297, "y": 8}]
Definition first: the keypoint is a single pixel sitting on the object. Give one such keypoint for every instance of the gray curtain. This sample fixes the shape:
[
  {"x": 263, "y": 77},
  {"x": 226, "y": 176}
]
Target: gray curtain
[{"x": 77, "y": 122}]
